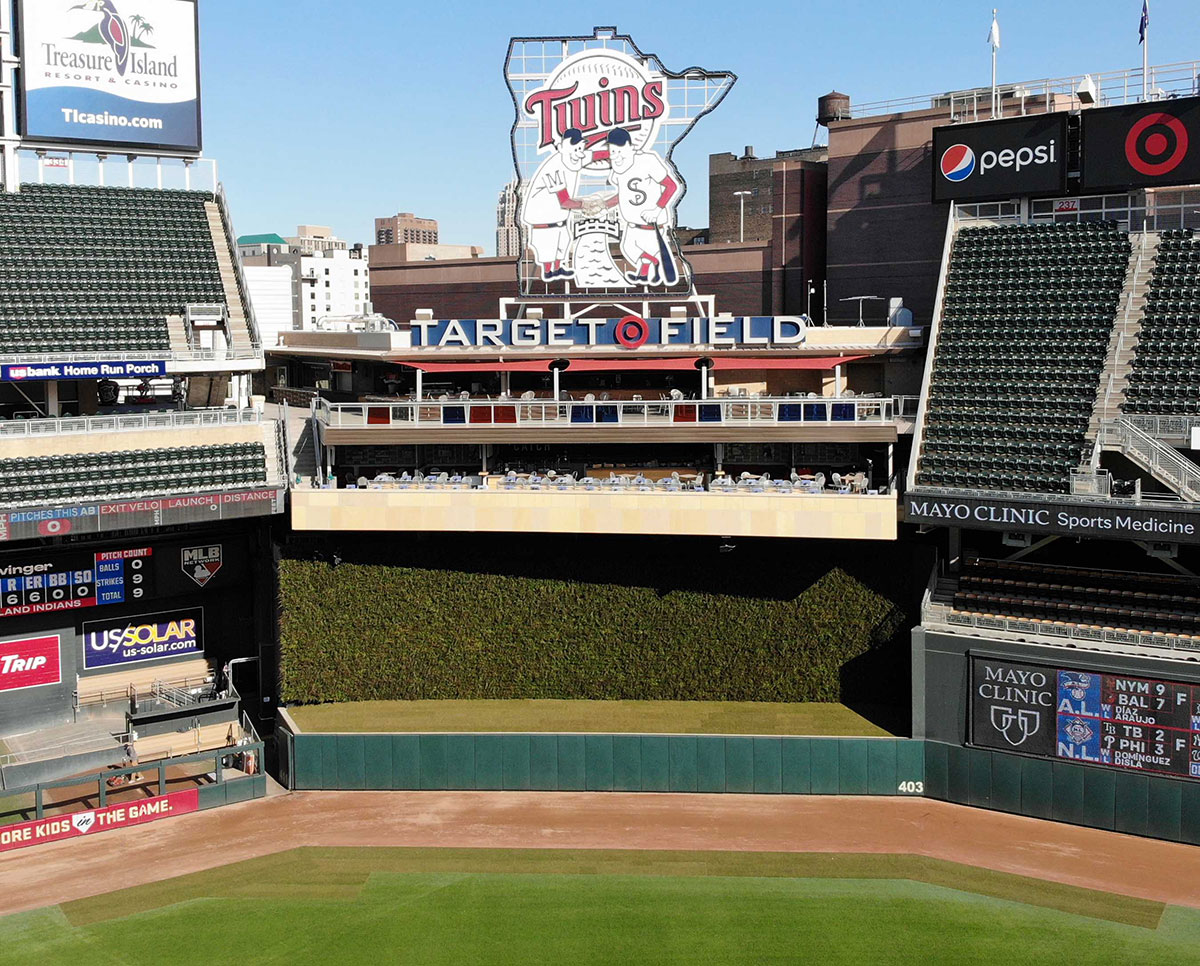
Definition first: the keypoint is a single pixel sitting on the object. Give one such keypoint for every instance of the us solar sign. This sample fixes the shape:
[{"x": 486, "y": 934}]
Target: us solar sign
[{"x": 993, "y": 160}]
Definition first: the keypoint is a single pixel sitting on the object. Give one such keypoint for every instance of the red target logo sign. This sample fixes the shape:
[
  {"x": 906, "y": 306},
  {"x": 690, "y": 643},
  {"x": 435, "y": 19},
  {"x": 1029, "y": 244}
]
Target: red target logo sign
[
  {"x": 1156, "y": 145},
  {"x": 632, "y": 332}
]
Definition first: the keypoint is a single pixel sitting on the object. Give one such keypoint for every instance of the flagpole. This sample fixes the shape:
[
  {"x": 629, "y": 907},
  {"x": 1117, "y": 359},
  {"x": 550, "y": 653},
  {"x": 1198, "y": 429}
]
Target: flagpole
[
  {"x": 995, "y": 96},
  {"x": 1146, "y": 57}
]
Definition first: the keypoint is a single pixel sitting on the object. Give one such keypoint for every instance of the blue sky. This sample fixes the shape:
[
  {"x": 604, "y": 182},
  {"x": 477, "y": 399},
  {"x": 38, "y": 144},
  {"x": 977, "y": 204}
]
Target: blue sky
[{"x": 338, "y": 112}]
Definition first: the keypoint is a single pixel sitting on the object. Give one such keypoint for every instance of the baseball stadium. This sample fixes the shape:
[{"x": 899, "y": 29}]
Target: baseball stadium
[{"x": 638, "y": 594}]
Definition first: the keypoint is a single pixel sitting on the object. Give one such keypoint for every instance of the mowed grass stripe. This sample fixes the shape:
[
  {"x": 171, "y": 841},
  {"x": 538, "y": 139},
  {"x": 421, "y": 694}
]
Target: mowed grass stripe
[
  {"x": 596, "y": 717},
  {"x": 341, "y": 874}
]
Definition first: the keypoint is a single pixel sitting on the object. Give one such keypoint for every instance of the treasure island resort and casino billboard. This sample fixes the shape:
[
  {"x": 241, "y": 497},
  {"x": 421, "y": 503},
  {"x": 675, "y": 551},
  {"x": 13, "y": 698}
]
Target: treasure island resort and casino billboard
[{"x": 112, "y": 72}]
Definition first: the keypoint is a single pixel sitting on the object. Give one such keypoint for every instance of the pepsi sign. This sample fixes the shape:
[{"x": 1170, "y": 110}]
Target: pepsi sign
[
  {"x": 1141, "y": 145},
  {"x": 994, "y": 160}
]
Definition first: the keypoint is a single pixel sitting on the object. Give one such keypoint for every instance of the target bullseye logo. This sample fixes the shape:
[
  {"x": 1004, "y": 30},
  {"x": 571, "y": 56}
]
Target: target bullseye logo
[
  {"x": 958, "y": 163},
  {"x": 54, "y": 528},
  {"x": 632, "y": 332},
  {"x": 1156, "y": 145}
]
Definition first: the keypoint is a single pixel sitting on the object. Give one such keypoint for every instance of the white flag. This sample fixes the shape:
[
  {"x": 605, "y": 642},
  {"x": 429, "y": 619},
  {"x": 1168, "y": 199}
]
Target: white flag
[{"x": 994, "y": 33}]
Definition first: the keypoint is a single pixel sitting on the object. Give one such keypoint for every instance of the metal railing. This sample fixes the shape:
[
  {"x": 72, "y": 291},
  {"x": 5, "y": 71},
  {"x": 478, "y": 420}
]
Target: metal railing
[
  {"x": 526, "y": 413},
  {"x": 1165, "y": 427},
  {"x": 1053, "y": 633},
  {"x": 239, "y": 273},
  {"x": 1124, "y": 332},
  {"x": 1159, "y": 501},
  {"x": 229, "y": 354},
  {"x": 1112, "y": 88},
  {"x": 1176, "y": 471},
  {"x": 127, "y": 423}
]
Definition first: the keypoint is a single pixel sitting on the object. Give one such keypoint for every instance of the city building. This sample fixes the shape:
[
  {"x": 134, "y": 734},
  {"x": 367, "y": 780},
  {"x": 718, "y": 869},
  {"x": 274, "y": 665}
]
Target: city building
[
  {"x": 336, "y": 285},
  {"x": 388, "y": 255},
  {"x": 272, "y": 293},
  {"x": 315, "y": 239},
  {"x": 508, "y": 235},
  {"x": 262, "y": 246},
  {"x": 406, "y": 228}
]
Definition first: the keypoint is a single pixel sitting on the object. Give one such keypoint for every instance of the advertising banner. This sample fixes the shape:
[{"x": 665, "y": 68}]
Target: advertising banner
[
  {"x": 145, "y": 637},
  {"x": 35, "y": 585},
  {"x": 42, "y": 372},
  {"x": 629, "y": 332},
  {"x": 597, "y": 121},
  {"x": 992, "y": 160},
  {"x": 119, "y": 72},
  {"x": 1115, "y": 520},
  {"x": 1116, "y": 720},
  {"x": 72, "y": 826},
  {"x": 30, "y": 662},
  {"x": 1140, "y": 145}
]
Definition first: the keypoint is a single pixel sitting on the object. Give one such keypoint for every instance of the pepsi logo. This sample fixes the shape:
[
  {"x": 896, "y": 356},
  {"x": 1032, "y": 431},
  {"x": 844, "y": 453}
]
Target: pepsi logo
[
  {"x": 1156, "y": 144},
  {"x": 958, "y": 163}
]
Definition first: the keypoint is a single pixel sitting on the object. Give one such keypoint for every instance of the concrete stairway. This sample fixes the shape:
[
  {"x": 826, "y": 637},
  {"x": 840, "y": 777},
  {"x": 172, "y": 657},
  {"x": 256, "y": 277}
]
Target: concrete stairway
[
  {"x": 1163, "y": 462},
  {"x": 240, "y": 341},
  {"x": 274, "y": 470},
  {"x": 177, "y": 330},
  {"x": 304, "y": 449},
  {"x": 1114, "y": 377}
]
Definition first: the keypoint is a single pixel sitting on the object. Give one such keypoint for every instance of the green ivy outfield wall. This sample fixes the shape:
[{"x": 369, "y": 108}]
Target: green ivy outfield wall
[
  {"x": 1063, "y": 791},
  {"x": 609, "y": 763}
]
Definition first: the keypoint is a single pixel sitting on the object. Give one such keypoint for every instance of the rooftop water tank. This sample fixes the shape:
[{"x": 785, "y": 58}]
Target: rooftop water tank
[{"x": 833, "y": 107}]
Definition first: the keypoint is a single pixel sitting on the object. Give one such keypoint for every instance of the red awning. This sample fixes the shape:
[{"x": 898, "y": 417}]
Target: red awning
[
  {"x": 524, "y": 365},
  {"x": 796, "y": 362},
  {"x": 627, "y": 365}
]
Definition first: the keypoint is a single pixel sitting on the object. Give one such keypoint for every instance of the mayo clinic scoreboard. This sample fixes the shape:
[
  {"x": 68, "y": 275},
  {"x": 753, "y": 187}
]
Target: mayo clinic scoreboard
[
  {"x": 1120, "y": 721},
  {"x": 76, "y": 580}
]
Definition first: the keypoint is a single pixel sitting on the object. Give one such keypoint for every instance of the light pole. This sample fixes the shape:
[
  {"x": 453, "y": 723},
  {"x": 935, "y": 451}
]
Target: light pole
[{"x": 741, "y": 196}]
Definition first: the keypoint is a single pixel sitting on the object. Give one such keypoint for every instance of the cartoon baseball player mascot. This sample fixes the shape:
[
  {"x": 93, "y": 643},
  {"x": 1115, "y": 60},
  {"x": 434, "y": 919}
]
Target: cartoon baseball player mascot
[
  {"x": 548, "y": 201},
  {"x": 645, "y": 186}
]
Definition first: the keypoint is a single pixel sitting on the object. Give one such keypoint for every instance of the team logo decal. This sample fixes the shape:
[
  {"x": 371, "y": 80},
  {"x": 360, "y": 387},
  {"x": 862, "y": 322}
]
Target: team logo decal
[
  {"x": 1156, "y": 145},
  {"x": 958, "y": 163},
  {"x": 82, "y": 822},
  {"x": 597, "y": 121},
  {"x": 1078, "y": 731},
  {"x": 1016, "y": 726},
  {"x": 201, "y": 563}
]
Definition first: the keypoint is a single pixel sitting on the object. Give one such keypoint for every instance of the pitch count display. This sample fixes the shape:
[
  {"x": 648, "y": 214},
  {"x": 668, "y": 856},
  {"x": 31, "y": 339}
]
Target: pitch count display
[{"x": 75, "y": 580}]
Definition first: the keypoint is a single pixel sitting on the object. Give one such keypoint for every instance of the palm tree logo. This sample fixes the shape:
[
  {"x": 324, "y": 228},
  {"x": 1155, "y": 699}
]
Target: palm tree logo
[{"x": 113, "y": 31}]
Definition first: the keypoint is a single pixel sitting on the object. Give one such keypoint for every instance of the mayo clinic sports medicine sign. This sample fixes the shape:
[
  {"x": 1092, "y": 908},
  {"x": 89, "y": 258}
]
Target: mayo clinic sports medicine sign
[
  {"x": 629, "y": 332},
  {"x": 1100, "y": 718},
  {"x": 597, "y": 191},
  {"x": 146, "y": 637},
  {"x": 1141, "y": 145},
  {"x": 991, "y": 160},
  {"x": 1115, "y": 521},
  {"x": 113, "y": 72}
]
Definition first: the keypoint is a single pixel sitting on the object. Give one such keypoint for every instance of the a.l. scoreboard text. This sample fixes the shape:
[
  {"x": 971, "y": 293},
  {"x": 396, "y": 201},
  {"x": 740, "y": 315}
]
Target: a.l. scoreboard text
[
  {"x": 75, "y": 580},
  {"x": 1122, "y": 721}
]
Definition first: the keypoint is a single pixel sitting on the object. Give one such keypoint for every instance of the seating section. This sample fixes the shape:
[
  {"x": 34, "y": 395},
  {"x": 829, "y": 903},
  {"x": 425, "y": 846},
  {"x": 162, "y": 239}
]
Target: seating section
[
  {"x": 85, "y": 477},
  {"x": 1071, "y": 595},
  {"x": 86, "y": 269},
  {"x": 1165, "y": 378},
  {"x": 1027, "y": 315}
]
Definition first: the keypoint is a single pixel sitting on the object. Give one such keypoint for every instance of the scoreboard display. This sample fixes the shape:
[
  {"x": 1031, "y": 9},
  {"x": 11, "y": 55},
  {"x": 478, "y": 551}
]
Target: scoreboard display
[
  {"x": 71, "y": 581},
  {"x": 1120, "y": 721}
]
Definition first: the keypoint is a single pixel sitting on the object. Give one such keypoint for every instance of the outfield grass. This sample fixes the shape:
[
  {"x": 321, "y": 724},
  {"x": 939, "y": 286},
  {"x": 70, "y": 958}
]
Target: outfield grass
[
  {"x": 601, "y": 717},
  {"x": 550, "y": 906}
]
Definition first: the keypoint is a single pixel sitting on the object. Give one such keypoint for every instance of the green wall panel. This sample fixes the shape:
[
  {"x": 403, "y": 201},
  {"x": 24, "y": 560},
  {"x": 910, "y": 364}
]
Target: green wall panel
[
  {"x": 516, "y": 761},
  {"x": 1165, "y": 798},
  {"x": 795, "y": 759},
  {"x": 937, "y": 757},
  {"x": 627, "y": 763},
  {"x": 853, "y": 773},
  {"x": 211, "y": 796},
  {"x": 432, "y": 754},
  {"x": 1132, "y": 802},
  {"x": 739, "y": 765},
  {"x": 910, "y": 760},
  {"x": 681, "y": 750},
  {"x": 656, "y": 767},
  {"x": 406, "y": 761},
  {"x": 1068, "y": 792},
  {"x": 543, "y": 762},
  {"x": 598, "y": 762},
  {"x": 958, "y": 775},
  {"x": 881, "y": 767},
  {"x": 768, "y": 766},
  {"x": 489, "y": 762},
  {"x": 306, "y": 773},
  {"x": 460, "y": 762},
  {"x": 328, "y": 761},
  {"x": 1100, "y": 787},
  {"x": 572, "y": 767},
  {"x": 1189, "y": 812},
  {"x": 351, "y": 767},
  {"x": 1006, "y": 782},
  {"x": 1037, "y": 787},
  {"x": 377, "y": 761},
  {"x": 823, "y": 762},
  {"x": 979, "y": 777},
  {"x": 238, "y": 790},
  {"x": 710, "y": 763}
]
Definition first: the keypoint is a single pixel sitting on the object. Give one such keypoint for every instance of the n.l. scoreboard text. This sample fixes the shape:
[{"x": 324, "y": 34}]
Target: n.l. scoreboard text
[
  {"x": 75, "y": 580},
  {"x": 1122, "y": 721}
]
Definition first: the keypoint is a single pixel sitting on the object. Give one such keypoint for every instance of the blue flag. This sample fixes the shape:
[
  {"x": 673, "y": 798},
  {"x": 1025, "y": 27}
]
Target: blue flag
[{"x": 1145, "y": 24}]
